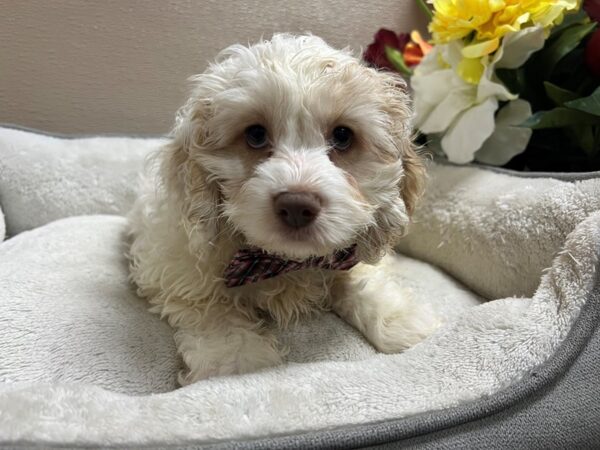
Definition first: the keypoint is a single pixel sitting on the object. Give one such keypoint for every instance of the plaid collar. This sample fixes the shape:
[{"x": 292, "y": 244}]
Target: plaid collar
[{"x": 253, "y": 265}]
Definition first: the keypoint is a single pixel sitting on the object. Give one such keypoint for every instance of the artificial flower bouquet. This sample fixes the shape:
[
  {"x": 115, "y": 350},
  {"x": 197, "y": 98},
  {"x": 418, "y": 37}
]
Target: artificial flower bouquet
[{"x": 512, "y": 83}]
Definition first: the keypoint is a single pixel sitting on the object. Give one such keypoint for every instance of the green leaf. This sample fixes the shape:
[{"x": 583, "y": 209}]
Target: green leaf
[
  {"x": 590, "y": 104},
  {"x": 584, "y": 136},
  {"x": 570, "y": 19},
  {"x": 425, "y": 8},
  {"x": 558, "y": 118},
  {"x": 397, "y": 60},
  {"x": 557, "y": 94},
  {"x": 564, "y": 43},
  {"x": 513, "y": 79}
]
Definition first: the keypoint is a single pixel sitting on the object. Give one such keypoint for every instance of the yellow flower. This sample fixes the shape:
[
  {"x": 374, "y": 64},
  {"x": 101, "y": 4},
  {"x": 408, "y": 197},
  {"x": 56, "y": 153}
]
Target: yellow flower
[
  {"x": 470, "y": 70},
  {"x": 486, "y": 21},
  {"x": 483, "y": 23},
  {"x": 456, "y": 19}
]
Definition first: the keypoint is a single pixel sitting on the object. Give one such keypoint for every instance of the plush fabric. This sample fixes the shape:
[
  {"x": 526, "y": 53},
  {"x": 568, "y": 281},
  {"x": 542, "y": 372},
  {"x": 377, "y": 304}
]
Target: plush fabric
[
  {"x": 68, "y": 384},
  {"x": 44, "y": 178},
  {"x": 2, "y": 225},
  {"x": 504, "y": 230},
  {"x": 82, "y": 362},
  {"x": 479, "y": 353},
  {"x": 70, "y": 315},
  {"x": 561, "y": 412},
  {"x": 555, "y": 406},
  {"x": 84, "y": 323}
]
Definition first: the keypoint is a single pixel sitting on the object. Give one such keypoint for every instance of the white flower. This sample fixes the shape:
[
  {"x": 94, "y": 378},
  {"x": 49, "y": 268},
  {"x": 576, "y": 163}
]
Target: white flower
[
  {"x": 463, "y": 113},
  {"x": 508, "y": 139}
]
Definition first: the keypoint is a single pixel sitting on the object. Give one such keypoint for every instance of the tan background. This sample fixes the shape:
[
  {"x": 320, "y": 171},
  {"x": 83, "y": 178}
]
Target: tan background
[{"x": 120, "y": 66}]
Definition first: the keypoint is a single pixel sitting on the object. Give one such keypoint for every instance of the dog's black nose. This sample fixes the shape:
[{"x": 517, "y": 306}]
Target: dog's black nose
[{"x": 297, "y": 209}]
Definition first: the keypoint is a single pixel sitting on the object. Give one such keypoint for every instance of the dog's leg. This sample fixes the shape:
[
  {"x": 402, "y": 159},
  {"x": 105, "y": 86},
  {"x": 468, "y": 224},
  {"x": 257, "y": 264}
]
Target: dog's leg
[
  {"x": 224, "y": 343},
  {"x": 371, "y": 299}
]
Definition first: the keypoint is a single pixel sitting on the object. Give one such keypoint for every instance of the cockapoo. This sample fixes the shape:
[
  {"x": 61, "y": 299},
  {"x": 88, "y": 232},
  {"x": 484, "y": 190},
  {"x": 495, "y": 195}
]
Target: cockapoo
[{"x": 289, "y": 175}]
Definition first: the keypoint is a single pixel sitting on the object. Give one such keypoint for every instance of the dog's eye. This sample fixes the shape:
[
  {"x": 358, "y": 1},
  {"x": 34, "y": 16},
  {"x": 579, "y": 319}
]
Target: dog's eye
[
  {"x": 341, "y": 138},
  {"x": 256, "y": 136}
]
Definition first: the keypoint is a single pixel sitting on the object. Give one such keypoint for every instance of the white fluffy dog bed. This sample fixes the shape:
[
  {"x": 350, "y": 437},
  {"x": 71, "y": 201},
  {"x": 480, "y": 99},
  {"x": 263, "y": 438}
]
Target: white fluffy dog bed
[{"x": 83, "y": 363}]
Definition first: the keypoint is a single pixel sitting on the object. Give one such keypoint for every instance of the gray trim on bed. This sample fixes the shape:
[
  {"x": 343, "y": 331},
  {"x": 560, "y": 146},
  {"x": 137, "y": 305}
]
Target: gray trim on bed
[
  {"x": 564, "y": 413},
  {"x": 563, "y": 176}
]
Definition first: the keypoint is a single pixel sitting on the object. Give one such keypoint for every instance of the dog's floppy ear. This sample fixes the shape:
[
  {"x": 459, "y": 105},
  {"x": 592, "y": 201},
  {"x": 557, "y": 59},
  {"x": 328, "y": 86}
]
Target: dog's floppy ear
[
  {"x": 413, "y": 179},
  {"x": 393, "y": 217},
  {"x": 198, "y": 196},
  {"x": 399, "y": 109}
]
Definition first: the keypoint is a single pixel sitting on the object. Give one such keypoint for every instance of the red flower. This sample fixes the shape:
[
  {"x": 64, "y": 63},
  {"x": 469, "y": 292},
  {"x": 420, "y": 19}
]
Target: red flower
[
  {"x": 416, "y": 49},
  {"x": 592, "y": 53},
  {"x": 412, "y": 47},
  {"x": 592, "y": 8},
  {"x": 375, "y": 52}
]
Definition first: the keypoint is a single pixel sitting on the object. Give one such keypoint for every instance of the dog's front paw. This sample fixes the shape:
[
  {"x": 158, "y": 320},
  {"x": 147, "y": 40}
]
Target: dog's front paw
[
  {"x": 212, "y": 355},
  {"x": 398, "y": 327},
  {"x": 383, "y": 310}
]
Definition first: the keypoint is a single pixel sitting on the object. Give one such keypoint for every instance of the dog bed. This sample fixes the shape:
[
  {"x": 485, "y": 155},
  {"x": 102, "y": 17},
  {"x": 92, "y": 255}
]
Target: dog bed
[{"x": 509, "y": 261}]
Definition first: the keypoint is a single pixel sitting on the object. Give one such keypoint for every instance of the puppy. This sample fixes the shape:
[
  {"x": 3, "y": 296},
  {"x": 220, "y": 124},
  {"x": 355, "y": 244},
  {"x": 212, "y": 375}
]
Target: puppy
[{"x": 289, "y": 175}]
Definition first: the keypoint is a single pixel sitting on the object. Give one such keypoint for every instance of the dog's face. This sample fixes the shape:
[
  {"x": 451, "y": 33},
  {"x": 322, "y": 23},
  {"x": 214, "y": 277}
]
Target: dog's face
[{"x": 297, "y": 147}]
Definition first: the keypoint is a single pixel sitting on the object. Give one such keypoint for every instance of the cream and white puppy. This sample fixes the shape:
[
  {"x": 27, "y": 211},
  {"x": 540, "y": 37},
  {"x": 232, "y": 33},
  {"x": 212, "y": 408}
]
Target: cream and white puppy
[{"x": 298, "y": 149}]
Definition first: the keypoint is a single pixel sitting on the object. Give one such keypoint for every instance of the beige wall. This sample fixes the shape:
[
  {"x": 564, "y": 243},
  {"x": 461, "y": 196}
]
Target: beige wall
[{"x": 120, "y": 66}]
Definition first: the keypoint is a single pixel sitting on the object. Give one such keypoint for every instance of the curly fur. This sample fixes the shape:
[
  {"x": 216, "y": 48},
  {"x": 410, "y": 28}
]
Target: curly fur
[{"x": 208, "y": 194}]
